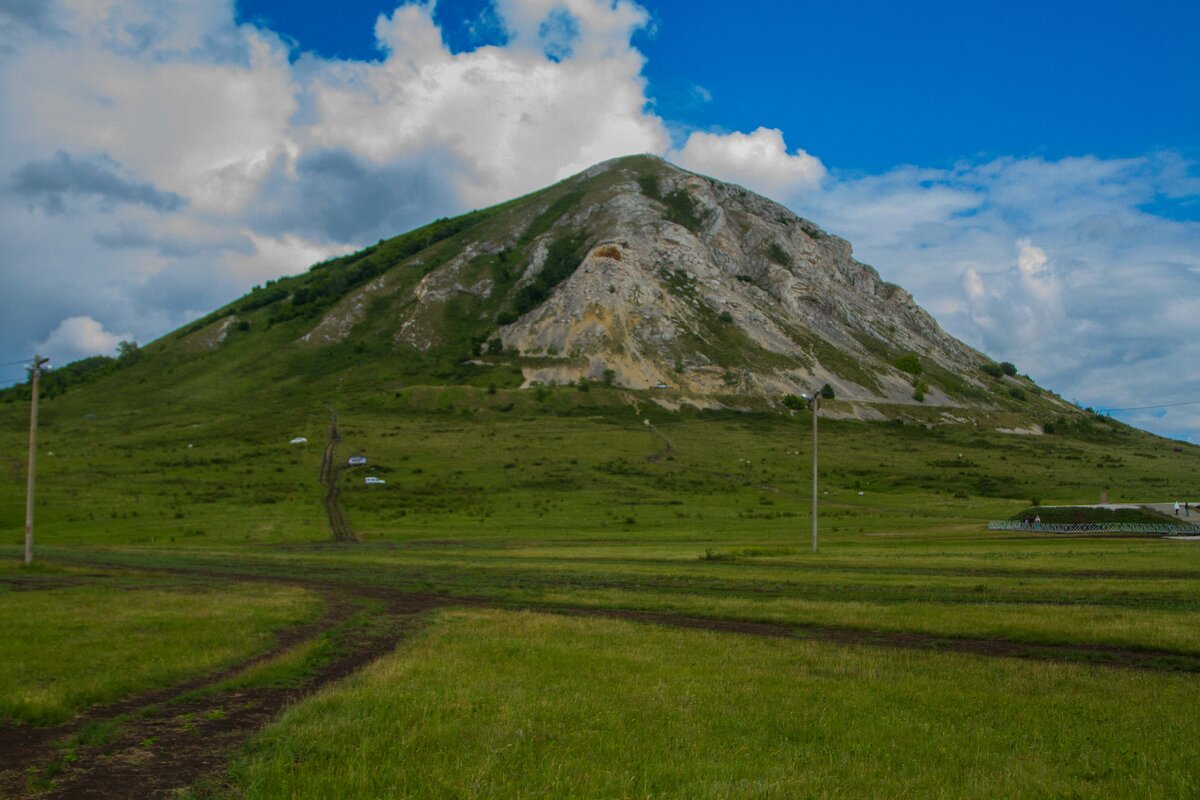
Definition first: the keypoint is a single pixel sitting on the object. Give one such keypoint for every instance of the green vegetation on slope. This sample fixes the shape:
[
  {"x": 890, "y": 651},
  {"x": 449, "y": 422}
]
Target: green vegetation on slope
[{"x": 160, "y": 458}]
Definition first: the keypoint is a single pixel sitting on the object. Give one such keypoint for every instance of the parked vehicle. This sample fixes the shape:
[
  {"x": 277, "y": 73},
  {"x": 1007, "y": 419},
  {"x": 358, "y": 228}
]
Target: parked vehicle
[
  {"x": 373, "y": 481},
  {"x": 358, "y": 461}
]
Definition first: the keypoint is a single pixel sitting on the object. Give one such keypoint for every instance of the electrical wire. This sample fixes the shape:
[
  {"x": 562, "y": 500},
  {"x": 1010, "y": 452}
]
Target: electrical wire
[{"x": 1146, "y": 408}]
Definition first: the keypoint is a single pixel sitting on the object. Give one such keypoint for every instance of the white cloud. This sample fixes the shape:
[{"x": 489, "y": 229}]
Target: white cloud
[
  {"x": 273, "y": 256},
  {"x": 79, "y": 337},
  {"x": 1041, "y": 286},
  {"x": 192, "y": 117},
  {"x": 973, "y": 284},
  {"x": 601, "y": 29},
  {"x": 512, "y": 118},
  {"x": 1053, "y": 265},
  {"x": 1030, "y": 260},
  {"x": 759, "y": 161}
]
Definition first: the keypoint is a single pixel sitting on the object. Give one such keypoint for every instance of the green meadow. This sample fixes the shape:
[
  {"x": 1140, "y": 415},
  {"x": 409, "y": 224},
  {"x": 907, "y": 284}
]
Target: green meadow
[
  {"x": 77, "y": 646},
  {"x": 501, "y": 704},
  {"x": 612, "y": 608}
]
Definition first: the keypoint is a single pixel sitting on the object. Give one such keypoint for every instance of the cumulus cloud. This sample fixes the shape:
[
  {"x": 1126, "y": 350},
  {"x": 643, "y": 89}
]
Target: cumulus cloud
[
  {"x": 1056, "y": 266},
  {"x": 1030, "y": 260},
  {"x": 175, "y": 237},
  {"x": 511, "y": 119},
  {"x": 337, "y": 196},
  {"x": 51, "y": 182},
  {"x": 276, "y": 255},
  {"x": 79, "y": 337},
  {"x": 759, "y": 160}
]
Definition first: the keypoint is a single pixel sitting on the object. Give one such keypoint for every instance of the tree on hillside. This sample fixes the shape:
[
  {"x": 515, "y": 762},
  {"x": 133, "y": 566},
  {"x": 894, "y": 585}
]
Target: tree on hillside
[{"x": 128, "y": 352}]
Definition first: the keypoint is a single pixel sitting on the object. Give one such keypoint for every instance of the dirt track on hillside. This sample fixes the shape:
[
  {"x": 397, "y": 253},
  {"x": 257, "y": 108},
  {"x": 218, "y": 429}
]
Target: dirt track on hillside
[{"x": 330, "y": 476}]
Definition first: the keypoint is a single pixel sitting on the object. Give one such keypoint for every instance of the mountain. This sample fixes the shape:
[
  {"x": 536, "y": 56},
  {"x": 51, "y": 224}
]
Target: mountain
[
  {"x": 634, "y": 273},
  {"x": 663, "y": 296}
]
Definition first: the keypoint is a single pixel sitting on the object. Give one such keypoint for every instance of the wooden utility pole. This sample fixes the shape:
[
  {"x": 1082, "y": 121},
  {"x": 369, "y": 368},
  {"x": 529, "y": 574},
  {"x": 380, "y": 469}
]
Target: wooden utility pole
[{"x": 33, "y": 408}]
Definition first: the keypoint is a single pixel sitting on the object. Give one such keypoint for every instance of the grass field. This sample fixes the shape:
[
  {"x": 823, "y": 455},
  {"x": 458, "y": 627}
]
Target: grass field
[
  {"x": 494, "y": 704},
  {"x": 590, "y": 588},
  {"x": 67, "y": 648}
]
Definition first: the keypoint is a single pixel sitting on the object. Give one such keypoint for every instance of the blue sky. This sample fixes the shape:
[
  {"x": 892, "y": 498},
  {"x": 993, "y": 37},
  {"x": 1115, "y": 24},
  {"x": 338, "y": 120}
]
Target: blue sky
[
  {"x": 1029, "y": 171},
  {"x": 869, "y": 85}
]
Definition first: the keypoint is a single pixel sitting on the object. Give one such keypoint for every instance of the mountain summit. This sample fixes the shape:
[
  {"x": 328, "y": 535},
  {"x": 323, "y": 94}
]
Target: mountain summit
[{"x": 633, "y": 273}]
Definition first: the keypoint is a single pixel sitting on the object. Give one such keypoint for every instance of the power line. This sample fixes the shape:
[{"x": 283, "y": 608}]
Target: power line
[{"x": 1146, "y": 408}]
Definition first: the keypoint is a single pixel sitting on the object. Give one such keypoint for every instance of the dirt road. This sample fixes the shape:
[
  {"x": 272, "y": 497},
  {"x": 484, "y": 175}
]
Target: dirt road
[{"x": 330, "y": 476}]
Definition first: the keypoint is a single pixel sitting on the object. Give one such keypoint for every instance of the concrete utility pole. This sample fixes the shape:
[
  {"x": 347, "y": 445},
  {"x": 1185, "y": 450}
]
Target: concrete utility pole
[
  {"x": 815, "y": 403},
  {"x": 33, "y": 411}
]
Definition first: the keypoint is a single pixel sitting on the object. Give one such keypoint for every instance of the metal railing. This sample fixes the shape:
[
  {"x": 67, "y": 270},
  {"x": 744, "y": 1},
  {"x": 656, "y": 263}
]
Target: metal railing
[{"x": 1093, "y": 527}]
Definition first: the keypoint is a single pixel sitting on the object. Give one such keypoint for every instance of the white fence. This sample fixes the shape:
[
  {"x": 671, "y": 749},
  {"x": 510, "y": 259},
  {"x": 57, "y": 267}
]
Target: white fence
[{"x": 1093, "y": 527}]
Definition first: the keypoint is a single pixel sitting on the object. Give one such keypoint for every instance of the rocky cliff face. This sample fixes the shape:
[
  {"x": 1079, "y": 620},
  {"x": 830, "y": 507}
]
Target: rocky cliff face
[
  {"x": 736, "y": 294},
  {"x": 651, "y": 277}
]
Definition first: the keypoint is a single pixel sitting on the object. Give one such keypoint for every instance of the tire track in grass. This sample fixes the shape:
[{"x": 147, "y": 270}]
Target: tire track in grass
[
  {"x": 23, "y": 748},
  {"x": 1145, "y": 658},
  {"x": 161, "y": 742},
  {"x": 1073, "y": 653},
  {"x": 180, "y": 737},
  {"x": 1149, "y": 659}
]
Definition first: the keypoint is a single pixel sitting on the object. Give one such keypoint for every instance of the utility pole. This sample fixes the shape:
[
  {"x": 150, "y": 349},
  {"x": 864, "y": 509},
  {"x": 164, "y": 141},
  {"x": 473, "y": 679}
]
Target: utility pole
[
  {"x": 33, "y": 411},
  {"x": 816, "y": 405},
  {"x": 814, "y": 402}
]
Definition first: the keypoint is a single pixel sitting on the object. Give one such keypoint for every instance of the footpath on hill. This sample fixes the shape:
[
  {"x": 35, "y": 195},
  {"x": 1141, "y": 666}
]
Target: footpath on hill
[{"x": 330, "y": 476}]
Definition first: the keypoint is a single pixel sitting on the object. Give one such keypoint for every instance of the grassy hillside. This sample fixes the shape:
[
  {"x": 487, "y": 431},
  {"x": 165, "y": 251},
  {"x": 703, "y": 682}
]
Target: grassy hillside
[{"x": 140, "y": 458}]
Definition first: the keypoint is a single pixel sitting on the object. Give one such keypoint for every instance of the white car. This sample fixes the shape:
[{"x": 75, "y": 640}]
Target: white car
[
  {"x": 373, "y": 481},
  {"x": 357, "y": 461}
]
